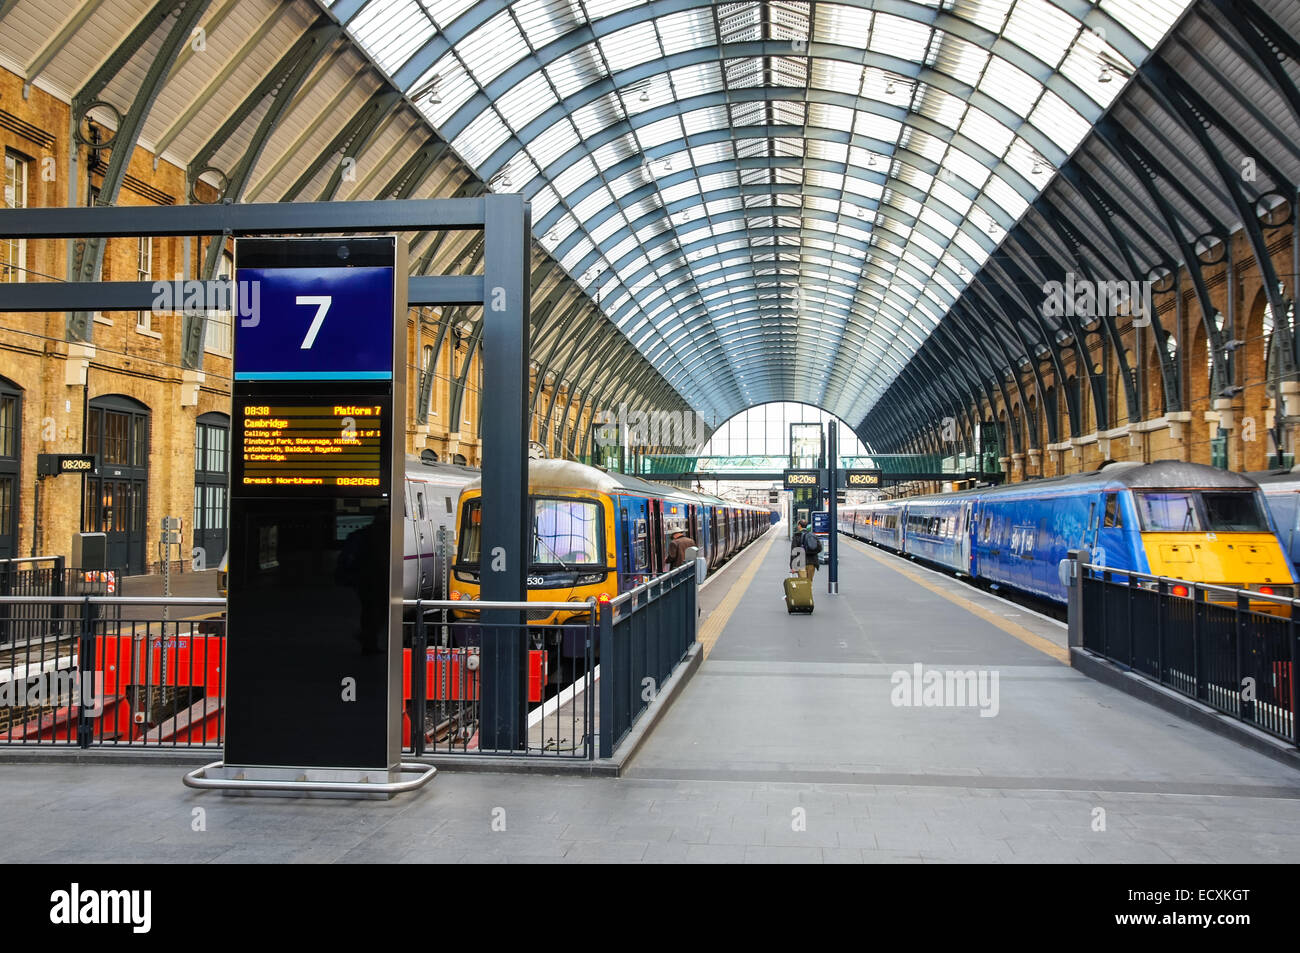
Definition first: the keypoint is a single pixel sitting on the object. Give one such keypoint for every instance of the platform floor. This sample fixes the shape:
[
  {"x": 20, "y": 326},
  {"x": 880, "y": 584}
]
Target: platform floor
[{"x": 784, "y": 747}]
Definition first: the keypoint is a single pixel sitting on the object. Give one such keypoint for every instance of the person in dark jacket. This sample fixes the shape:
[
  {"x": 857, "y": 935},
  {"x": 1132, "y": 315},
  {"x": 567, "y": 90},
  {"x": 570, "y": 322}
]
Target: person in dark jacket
[
  {"x": 806, "y": 539},
  {"x": 677, "y": 548}
]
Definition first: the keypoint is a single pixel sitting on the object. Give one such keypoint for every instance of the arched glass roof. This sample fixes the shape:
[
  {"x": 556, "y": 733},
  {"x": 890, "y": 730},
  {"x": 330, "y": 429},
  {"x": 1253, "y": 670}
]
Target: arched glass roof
[{"x": 772, "y": 200}]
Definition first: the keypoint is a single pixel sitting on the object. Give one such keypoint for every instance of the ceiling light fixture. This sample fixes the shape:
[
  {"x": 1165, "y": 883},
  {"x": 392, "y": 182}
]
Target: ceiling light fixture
[{"x": 431, "y": 89}]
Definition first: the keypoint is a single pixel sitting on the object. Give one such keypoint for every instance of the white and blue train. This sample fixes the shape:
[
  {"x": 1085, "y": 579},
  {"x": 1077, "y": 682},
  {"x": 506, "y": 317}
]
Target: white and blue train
[{"x": 1169, "y": 518}]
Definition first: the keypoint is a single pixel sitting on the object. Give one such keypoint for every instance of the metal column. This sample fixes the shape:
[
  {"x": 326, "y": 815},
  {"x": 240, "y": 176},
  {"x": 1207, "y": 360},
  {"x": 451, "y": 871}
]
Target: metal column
[
  {"x": 506, "y": 518},
  {"x": 832, "y": 507}
]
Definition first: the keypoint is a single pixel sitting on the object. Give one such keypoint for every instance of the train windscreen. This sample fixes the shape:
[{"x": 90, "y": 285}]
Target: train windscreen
[
  {"x": 566, "y": 533},
  {"x": 1237, "y": 512},
  {"x": 1207, "y": 511},
  {"x": 469, "y": 535}
]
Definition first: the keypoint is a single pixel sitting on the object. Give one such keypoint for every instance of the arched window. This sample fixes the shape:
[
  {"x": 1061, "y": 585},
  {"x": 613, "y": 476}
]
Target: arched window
[
  {"x": 211, "y": 483},
  {"x": 116, "y": 498},
  {"x": 460, "y": 460},
  {"x": 11, "y": 407}
]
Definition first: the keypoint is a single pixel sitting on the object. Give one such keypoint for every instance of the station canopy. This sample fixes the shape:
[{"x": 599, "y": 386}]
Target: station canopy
[{"x": 777, "y": 200}]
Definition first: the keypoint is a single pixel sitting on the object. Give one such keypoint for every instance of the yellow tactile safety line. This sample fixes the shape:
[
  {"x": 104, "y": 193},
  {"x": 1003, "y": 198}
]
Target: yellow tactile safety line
[
  {"x": 1033, "y": 640},
  {"x": 718, "y": 618}
]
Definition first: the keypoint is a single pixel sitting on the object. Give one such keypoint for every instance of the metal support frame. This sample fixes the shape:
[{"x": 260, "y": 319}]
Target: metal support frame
[
  {"x": 88, "y": 257},
  {"x": 198, "y": 778},
  {"x": 280, "y": 86},
  {"x": 503, "y": 291},
  {"x": 1093, "y": 221}
]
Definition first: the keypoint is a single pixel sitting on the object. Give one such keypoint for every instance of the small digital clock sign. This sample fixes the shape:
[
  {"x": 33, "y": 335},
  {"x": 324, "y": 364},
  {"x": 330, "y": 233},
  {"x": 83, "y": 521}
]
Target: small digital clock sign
[{"x": 304, "y": 445}]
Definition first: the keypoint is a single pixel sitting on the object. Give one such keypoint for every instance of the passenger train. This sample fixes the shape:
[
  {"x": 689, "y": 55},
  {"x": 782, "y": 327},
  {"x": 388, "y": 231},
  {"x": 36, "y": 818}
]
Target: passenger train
[
  {"x": 429, "y": 504},
  {"x": 1168, "y": 518},
  {"x": 599, "y": 534}
]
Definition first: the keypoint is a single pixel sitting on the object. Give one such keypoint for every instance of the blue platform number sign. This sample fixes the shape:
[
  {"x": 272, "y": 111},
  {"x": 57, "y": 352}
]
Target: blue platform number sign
[{"x": 317, "y": 324}]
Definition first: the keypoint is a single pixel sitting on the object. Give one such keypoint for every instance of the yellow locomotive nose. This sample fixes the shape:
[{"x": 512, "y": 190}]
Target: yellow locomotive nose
[{"x": 1234, "y": 560}]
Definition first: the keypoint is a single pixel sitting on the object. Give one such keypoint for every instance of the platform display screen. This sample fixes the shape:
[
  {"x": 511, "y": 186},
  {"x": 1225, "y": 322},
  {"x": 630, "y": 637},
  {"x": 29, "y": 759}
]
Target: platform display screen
[
  {"x": 314, "y": 615},
  {"x": 305, "y": 446},
  {"x": 860, "y": 479}
]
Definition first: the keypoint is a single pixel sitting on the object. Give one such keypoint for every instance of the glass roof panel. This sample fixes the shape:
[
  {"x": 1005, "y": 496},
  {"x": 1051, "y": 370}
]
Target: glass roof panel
[
  {"x": 392, "y": 32},
  {"x": 834, "y": 204}
]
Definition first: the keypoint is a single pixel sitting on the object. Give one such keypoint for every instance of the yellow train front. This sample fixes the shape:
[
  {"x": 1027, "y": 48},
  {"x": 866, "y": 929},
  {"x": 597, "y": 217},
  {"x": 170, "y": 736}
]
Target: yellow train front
[{"x": 597, "y": 534}]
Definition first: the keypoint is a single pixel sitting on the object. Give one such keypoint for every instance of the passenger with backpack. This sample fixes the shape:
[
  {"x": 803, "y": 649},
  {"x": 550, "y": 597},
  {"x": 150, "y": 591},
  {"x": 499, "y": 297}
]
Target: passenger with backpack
[
  {"x": 798, "y": 586},
  {"x": 812, "y": 547}
]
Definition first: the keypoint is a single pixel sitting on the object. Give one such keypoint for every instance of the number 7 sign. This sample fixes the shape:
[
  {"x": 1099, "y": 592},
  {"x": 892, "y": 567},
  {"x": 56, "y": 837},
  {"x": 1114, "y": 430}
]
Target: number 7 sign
[{"x": 322, "y": 303}]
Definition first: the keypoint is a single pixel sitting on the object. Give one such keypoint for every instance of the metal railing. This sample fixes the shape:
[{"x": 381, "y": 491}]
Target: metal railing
[
  {"x": 1231, "y": 649},
  {"x": 150, "y": 672},
  {"x": 644, "y": 634},
  {"x": 441, "y": 699},
  {"x": 114, "y": 671},
  {"x": 43, "y": 576}
]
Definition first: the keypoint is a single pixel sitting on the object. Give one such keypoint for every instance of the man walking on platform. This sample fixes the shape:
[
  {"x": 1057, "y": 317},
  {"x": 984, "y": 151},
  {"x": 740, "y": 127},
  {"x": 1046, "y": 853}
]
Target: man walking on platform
[{"x": 807, "y": 540}]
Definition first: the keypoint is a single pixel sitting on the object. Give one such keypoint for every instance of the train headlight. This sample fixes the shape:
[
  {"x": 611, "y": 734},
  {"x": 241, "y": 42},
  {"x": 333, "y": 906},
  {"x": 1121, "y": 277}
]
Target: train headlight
[{"x": 1274, "y": 589}]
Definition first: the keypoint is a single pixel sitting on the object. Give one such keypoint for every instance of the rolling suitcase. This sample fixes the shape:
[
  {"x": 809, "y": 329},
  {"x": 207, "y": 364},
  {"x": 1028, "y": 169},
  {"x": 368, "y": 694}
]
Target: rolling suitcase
[{"x": 798, "y": 595}]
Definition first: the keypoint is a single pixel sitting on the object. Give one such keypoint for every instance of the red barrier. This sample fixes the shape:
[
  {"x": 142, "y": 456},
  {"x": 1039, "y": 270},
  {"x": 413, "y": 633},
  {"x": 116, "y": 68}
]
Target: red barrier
[{"x": 447, "y": 676}]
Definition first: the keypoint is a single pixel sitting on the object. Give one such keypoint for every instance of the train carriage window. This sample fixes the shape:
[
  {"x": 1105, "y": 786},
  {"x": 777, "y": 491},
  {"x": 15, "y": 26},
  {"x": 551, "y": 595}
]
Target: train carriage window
[
  {"x": 1113, "y": 519},
  {"x": 641, "y": 555},
  {"x": 419, "y": 503},
  {"x": 450, "y": 508},
  {"x": 987, "y": 529}
]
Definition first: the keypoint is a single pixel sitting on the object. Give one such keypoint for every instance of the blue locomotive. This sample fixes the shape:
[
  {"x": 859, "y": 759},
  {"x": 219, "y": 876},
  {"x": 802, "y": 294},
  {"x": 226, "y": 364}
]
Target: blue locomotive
[{"x": 1168, "y": 518}]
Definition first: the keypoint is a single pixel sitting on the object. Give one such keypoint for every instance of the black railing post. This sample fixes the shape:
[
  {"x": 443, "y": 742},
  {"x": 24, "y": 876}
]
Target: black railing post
[
  {"x": 6, "y": 589},
  {"x": 1074, "y": 613},
  {"x": 588, "y": 695},
  {"x": 1198, "y": 600},
  {"x": 608, "y": 677},
  {"x": 1160, "y": 636},
  {"x": 1291, "y": 672},
  {"x": 686, "y": 601},
  {"x": 1239, "y": 635},
  {"x": 419, "y": 665},
  {"x": 59, "y": 588},
  {"x": 86, "y": 671}
]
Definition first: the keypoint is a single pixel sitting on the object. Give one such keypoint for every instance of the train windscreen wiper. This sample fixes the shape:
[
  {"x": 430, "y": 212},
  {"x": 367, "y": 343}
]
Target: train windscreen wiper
[{"x": 542, "y": 539}]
